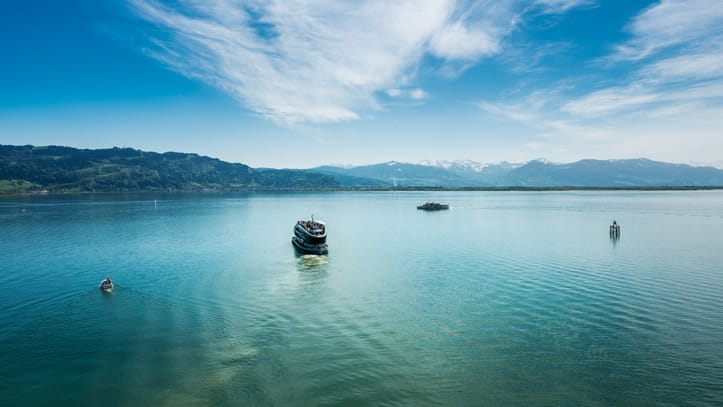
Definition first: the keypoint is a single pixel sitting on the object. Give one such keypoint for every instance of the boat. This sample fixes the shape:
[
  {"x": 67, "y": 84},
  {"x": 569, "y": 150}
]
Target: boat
[
  {"x": 106, "y": 285},
  {"x": 310, "y": 236},
  {"x": 433, "y": 206}
]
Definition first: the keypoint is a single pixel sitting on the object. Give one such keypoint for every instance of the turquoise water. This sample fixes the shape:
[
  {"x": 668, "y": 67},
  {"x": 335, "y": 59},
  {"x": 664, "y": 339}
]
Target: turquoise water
[{"x": 508, "y": 298}]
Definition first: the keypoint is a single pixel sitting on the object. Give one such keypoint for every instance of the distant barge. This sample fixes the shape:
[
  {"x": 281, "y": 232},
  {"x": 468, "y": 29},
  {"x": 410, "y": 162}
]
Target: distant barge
[{"x": 433, "y": 206}]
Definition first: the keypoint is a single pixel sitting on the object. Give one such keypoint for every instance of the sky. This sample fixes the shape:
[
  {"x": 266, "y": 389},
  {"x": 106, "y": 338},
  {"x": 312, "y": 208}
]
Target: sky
[{"x": 302, "y": 83}]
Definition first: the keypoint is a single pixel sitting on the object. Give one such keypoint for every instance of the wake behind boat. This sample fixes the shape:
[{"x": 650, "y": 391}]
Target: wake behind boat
[{"x": 310, "y": 236}]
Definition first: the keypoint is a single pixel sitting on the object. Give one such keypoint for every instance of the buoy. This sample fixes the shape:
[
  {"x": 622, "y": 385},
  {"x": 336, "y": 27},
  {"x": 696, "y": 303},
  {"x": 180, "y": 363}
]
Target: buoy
[{"x": 615, "y": 229}]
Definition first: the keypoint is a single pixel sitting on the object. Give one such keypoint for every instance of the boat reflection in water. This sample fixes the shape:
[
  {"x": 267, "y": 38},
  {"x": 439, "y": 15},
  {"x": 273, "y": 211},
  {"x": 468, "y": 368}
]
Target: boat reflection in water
[{"x": 310, "y": 237}]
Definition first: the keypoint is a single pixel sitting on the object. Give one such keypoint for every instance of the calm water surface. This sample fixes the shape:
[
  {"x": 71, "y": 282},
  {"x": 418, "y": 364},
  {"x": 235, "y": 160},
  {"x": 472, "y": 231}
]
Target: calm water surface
[{"x": 508, "y": 298}]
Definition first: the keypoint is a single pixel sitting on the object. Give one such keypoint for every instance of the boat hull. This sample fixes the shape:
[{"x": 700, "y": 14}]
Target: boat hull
[
  {"x": 307, "y": 248},
  {"x": 309, "y": 238}
]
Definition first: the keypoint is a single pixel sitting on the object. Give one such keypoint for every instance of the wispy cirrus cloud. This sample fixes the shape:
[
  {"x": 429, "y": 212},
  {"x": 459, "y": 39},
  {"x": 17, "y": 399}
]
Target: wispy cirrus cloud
[
  {"x": 671, "y": 69},
  {"x": 688, "y": 66},
  {"x": 674, "y": 87},
  {"x": 528, "y": 109},
  {"x": 671, "y": 23},
  {"x": 639, "y": 97},
  {"x": 678, "y": 46},
  {"x": 561, "y": 6},
  {"x": 519, "y": 112},
  {"x": 320, "y": 61}
]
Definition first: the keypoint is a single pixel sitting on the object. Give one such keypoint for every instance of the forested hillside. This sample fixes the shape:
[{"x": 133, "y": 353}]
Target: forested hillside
[{"x": 64, "y": 169}]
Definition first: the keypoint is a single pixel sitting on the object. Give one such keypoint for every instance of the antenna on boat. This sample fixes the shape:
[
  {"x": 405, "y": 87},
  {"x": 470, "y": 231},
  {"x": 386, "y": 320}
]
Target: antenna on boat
[{"x": 312, "y": 217}]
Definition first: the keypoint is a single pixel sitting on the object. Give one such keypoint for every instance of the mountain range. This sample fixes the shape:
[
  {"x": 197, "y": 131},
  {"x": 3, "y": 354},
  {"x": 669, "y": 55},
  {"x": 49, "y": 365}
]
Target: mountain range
[
  {"x": 65, "y": 169},
  {"x": 638, "y": 172}
]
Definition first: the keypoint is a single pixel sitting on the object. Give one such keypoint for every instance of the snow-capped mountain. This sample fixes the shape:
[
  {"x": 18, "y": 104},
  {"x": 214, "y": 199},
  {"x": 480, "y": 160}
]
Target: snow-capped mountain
[
  {"x": 468, "y": 165},
  {"x": 535, "y": 173}
]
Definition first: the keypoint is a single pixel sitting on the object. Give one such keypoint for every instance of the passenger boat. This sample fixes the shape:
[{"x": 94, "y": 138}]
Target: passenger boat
[
  {"x": 433, "y": 206},
  {"x": 106, "y": 285},
  {"x": 310, "y": 236}
]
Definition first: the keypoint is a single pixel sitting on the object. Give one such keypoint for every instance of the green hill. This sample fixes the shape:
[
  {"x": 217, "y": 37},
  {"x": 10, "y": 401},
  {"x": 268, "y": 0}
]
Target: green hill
[{"x": 65, "y": 169}]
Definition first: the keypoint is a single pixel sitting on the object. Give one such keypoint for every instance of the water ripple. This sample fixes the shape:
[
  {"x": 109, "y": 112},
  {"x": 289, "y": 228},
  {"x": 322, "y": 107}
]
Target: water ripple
[{"x": 508, "y": 299}]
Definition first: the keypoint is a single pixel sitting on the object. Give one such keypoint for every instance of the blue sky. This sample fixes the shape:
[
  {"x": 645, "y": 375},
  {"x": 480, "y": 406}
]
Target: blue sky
[{"x": 303, "y": 83}]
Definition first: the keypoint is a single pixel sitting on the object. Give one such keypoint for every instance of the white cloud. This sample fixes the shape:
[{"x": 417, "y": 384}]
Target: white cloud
[
  {"x": 295, "y": 61},
  {"x": 561, "y": 6},
  {"x": 669, "y": 105},
  {"x": 635, "y": 97},
  {"x": 459, "y": 42},
  {"x": 394, "y": 92},
  {"x": 315, "y": 65},
  {"x": 316, "y": 60},
  {"x": 418, "y": 94},
  {"x": 611, "y": 100},
  {"x": 686, "y": 66},
  {"x": 671, "y": 23},
  {"x": 689, "y": 71},
  {"x": 526, "y": 110},
  {"x": 415, "y": 94},
  {"x": 514, "y": 112}
]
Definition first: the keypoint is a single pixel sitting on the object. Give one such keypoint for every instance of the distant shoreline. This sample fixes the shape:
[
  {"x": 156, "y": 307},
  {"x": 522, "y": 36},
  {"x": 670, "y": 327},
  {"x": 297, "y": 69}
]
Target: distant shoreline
[
  {"x": 57, "y": 169},
  {"x": 558, "y": 188},
  {"x": 371, "y": 189}
]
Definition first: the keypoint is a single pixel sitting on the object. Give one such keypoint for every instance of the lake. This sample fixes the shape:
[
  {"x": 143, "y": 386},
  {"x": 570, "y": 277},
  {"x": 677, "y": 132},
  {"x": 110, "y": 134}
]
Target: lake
[{"x": 507, "y": 298}]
